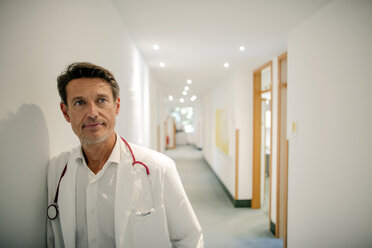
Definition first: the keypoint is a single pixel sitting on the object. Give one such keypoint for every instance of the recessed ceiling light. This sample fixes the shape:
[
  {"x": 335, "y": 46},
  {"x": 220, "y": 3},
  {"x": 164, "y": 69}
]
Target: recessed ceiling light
[
  {"x": 242, "y": 48},
  {"x": 161, "y": 64},
  {"x": 189, "y": 81},
  {"x": 156, "y": 47},
  {"x": 184, "y": 93},
  {"x": 182, "y": 100},
  {"x": 186, "y": 88},
  {"x": 193, "y": 98},
  {"x": 170, "y": 98},
  {"x": 226, "y": 65}
]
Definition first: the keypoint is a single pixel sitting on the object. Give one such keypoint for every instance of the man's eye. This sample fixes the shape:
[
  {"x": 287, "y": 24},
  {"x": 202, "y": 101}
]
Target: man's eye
[
  {"x": 79, "y": 103},
  {"x": 102, "y": 100}
]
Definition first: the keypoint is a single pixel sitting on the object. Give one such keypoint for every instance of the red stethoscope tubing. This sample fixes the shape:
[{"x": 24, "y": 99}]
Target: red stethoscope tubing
[
  {"x": 134, "y": 159},
  {"x": 55, "y": 202}
]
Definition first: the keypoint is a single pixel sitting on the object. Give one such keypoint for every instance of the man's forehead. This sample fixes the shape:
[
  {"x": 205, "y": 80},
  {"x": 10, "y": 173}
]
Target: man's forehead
[
  {"x": 88, "y": 82},
  {"x": 88, "y": 86}
]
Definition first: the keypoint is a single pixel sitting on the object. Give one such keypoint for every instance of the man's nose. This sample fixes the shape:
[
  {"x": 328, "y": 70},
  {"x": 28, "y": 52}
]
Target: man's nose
[{"x": 92, "y": 110}]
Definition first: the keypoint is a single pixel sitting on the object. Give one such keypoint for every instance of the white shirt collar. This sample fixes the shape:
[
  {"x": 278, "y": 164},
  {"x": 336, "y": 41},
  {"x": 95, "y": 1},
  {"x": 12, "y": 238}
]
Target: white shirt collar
[{"x": 78, "y": 155}]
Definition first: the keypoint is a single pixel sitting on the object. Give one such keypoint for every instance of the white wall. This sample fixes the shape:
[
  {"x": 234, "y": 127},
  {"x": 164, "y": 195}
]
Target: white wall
[
  {"x": 222, "y": 164},
  {"x": 274, "y": 141},
  {"x": 37, "y": 40},
  {"x": 329, "y": 94},
  {"x": 155, "y": 114},
  {"x": 235, "y": 96},
  {"x": 197, "y": 136},
  {"x": 244, "y": 122}
]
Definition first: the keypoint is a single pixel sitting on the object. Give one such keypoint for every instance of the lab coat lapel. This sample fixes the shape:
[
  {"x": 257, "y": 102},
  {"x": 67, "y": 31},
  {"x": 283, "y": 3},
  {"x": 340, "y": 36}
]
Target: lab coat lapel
[
  {"x": 123, "y": 195},
  {"x": 66, "y": 203}
]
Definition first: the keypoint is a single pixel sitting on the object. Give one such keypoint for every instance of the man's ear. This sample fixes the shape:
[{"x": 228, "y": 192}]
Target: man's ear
[
  {"x": 64, "y": 110},
  {"x": 117, "y": 103}
]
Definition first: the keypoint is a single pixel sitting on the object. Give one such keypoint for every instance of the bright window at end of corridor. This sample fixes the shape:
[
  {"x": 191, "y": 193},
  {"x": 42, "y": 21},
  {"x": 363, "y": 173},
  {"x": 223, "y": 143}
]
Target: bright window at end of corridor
[{"x": 184, "y": 119}]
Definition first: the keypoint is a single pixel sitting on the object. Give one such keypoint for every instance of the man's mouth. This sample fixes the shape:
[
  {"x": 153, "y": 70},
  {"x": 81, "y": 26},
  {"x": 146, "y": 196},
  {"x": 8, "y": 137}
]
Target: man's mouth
[{"x": 92, "y": 125}]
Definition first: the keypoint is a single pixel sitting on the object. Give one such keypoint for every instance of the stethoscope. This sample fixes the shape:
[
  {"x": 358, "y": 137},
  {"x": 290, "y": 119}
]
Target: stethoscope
[{"x": 52, "y": 210}]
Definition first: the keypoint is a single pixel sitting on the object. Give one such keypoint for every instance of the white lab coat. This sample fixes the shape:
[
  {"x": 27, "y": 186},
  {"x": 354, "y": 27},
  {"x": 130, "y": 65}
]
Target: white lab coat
[{"x": 172, "y": 224}]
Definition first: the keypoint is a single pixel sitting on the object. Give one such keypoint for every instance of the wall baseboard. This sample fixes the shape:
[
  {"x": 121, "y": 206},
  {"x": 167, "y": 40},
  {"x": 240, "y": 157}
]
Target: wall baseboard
[
  {"x": 236, "y": 203},
  {"x": 196, "y": 147},
  {"x": 272, "y": 227}
]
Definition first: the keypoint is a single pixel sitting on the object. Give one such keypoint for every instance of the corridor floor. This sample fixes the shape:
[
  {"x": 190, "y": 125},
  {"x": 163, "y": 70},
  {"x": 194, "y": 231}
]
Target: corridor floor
[{"x": 223, "y": 225}]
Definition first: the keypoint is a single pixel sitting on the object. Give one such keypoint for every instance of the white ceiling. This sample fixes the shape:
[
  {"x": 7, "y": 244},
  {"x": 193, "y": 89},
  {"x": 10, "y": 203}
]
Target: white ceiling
[{"x": 196, "y": 37}]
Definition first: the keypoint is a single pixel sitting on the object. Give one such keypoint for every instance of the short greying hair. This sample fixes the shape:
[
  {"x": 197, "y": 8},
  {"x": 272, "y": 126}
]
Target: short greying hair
[{"x": 85, "y": 70}]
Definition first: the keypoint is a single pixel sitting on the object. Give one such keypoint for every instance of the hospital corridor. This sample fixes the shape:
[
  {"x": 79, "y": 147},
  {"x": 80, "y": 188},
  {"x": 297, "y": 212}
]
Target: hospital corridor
[
  {"x": 263, "y": 105},
  {"x": 223, "y": 225}
]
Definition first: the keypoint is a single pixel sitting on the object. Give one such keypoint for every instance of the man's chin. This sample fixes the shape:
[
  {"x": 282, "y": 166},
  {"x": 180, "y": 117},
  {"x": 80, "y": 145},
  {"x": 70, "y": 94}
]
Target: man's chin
[{"x": 93, "y": 140}]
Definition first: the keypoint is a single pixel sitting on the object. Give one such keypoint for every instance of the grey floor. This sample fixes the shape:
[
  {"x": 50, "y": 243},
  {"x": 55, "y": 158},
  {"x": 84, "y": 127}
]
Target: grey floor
[{"x": 223, "y": 225}]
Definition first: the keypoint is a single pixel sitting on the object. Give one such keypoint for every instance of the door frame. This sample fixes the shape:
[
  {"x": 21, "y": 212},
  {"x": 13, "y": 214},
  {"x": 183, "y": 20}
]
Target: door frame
[
  {"x": 282, "y": 169},
  {"x": 256, "y": 166}
]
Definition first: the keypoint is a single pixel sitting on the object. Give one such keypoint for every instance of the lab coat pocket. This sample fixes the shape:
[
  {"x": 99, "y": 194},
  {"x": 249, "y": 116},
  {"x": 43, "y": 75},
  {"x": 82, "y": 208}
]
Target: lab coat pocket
[{"x": 150, "y": 229}]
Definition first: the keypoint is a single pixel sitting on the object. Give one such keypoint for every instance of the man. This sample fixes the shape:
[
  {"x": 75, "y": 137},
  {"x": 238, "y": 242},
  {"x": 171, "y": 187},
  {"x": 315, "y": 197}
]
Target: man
[{"x": 106, "y": 192}]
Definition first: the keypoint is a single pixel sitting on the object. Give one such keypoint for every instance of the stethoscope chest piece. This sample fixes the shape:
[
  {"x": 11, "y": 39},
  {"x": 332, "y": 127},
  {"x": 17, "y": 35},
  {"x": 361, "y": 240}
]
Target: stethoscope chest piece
[{"x": 52, "y": 211}]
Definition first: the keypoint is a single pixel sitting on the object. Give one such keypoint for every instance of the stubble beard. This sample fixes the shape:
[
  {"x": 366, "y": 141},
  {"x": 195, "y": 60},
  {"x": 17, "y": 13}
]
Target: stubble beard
[
  {"x": 92, "y": 141},
  {"x": 87, "y": 140}
]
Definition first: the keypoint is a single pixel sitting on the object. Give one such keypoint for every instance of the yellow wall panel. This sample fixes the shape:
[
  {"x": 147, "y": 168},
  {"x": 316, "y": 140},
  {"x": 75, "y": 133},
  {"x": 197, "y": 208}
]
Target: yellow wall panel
[{"x": 222, "y": 137}]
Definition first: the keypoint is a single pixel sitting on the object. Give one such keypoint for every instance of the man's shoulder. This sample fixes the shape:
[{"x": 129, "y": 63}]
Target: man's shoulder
[
  {"x": 151, "y": 157},
  {"x": 58, "y": 162}
]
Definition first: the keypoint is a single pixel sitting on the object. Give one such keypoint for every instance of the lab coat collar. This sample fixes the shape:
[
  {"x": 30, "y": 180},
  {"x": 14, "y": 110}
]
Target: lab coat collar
[
  {"x": 66, "y": 202},
  {"x": 78, "y": 155},
  {"x": 124, "y": 193}
]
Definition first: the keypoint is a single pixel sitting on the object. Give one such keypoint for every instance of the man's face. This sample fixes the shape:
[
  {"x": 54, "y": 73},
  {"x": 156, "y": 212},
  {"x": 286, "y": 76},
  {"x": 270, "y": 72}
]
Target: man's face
[{"x": 91, "y": 109}]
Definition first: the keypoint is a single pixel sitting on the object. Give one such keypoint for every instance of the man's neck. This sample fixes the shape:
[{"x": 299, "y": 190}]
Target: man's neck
[{"x": 96, "y": 155}]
